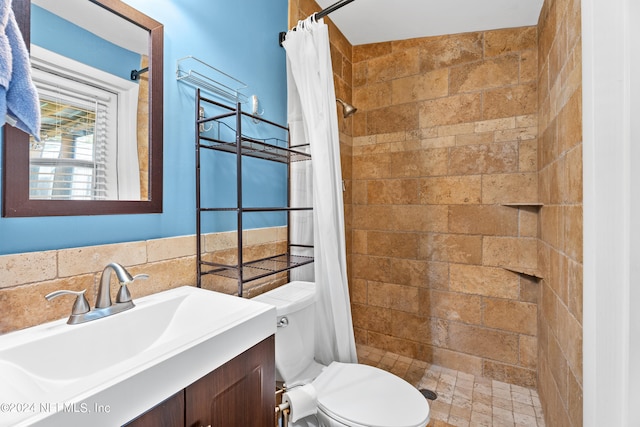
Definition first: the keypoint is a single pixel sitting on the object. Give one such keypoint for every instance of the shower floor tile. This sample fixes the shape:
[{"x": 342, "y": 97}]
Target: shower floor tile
[{"x": 464, "y": 400}]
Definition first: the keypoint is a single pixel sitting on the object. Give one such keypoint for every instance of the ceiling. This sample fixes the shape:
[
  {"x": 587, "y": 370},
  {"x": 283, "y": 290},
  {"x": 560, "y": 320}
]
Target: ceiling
[
  {"x": 374, "y": 21},
  {"x": 101, "y": 22}
]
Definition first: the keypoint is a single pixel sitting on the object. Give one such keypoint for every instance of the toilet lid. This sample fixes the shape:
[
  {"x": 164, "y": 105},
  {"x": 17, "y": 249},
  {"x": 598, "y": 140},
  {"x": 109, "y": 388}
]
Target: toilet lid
[{"x": 361, "y": 395}]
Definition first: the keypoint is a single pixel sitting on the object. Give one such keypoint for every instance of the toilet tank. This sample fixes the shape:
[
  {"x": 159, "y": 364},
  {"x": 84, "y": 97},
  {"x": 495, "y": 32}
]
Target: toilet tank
[{"x": 295, "y": 336}]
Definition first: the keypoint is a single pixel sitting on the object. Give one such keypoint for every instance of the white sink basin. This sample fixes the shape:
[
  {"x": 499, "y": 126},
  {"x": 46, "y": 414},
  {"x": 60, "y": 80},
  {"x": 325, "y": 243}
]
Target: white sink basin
[{"x": 110, "y": 370}]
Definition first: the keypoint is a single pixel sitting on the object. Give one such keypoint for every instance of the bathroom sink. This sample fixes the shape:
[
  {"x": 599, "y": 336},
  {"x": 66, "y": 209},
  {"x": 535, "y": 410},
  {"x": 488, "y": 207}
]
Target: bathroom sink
[{"x": 110, "y": 370}]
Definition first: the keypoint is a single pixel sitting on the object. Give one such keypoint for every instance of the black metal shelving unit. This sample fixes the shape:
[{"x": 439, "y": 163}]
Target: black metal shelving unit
[{"x": 244, "y": 146}]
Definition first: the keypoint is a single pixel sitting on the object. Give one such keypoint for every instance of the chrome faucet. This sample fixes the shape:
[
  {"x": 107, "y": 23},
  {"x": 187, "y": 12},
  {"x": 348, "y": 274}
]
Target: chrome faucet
[
  {"x": 103, "y": 299},
  {"x": 81, "y": 311}
]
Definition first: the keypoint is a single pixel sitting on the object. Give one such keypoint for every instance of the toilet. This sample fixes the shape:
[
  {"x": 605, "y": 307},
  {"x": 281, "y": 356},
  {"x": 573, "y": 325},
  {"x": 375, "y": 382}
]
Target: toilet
[{"x": 348, "y": 394}]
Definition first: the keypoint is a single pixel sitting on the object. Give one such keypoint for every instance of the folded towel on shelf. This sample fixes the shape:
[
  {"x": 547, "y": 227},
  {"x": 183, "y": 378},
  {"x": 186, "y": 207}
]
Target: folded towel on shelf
[{"x": 19, "y": 103}]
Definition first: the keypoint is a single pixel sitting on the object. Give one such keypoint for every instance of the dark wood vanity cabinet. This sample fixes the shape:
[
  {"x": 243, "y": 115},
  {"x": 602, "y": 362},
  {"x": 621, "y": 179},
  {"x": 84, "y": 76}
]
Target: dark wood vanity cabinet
[
  {"x": 239, "y": 393},
  {"x": 169, "y": 413}
]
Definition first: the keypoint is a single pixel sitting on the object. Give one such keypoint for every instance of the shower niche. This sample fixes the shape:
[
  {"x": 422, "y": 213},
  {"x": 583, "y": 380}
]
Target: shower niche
[{"x": 222, "y": 131}]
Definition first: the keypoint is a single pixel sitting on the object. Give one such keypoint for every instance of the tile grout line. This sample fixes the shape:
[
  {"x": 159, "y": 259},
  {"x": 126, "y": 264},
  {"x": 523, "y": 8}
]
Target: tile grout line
[{"x": 464, "y": 400}]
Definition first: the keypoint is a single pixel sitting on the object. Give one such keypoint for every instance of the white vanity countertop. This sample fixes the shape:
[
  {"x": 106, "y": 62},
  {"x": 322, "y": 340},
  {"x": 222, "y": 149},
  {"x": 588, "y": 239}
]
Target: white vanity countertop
[{"x": 109, "y": 371}]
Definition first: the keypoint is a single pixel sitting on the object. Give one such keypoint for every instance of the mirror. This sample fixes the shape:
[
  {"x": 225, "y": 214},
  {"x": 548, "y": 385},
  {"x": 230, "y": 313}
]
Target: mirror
[{"x": 74, "y": 116}]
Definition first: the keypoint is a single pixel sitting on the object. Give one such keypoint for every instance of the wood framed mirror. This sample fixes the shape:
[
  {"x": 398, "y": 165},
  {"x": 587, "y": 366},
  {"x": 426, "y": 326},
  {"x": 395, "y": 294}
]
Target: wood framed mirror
[{"x": 20, "y": 171}]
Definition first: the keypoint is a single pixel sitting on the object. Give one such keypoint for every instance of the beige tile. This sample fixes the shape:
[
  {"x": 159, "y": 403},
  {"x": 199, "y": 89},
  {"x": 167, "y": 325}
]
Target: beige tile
[
  {"x": 510, "y": 101},
  {"x": 514, "y": 316},
  {"x": 397, "y": 297},
  {"x": 446, "y": 51},
  {"x": 418, "y": 218},
  {"x": 528, "y": 351},
  {"x": 413, "y": 272},
  {"x": 495, "y": 124},
  {"x": 490, "y": 73},
  {"x": 518, "y": 134},
  {"x": 258, "y": 236},
  {"x": 91, "y": 259},
  {"x": 475, "y": 138},
  {"x": 393, "y": 66},
  {"x": 395, "y": 245},
  {"x": 487, "y": 281},
  {"x": 528, "y": 66},
  {"x": 484, "y": 159},
  {"x": 510, "y": 251},
  {"x": 429, "y": 162},
  {"x": 25, "y": 306},
  {"x": 456, "y": 129},
  {"x": 456, "y": 306},
  {"x": 371, "y": 166},
  {"x": 28, "y": 267},
  {"x": 509, "y": 372},
  {"x": 431, "y": 85},
  {"x": 171, "y": 247},
  {"x": 451, "y": 190},
  {"x": 394, "y": 191},
  {"x": 451, "y": 110},
  {"x": 393, "y": 118},
  {"x": 372, "y": 96},
  {"x": 510, "y": 188},
  {"x": 163, "y": 275},
  {"x": 483, "y": 342},
  {"x": 499, "y": 42},
  {"x": 483, "y": 219},
  {"x": 452, "y": 248}
]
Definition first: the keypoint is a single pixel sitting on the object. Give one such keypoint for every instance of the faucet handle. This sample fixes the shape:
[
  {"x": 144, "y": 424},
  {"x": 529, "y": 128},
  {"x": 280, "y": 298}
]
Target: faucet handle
[
  {"x": 80, "y": 306},
  {"x": 123, "y": 293}
]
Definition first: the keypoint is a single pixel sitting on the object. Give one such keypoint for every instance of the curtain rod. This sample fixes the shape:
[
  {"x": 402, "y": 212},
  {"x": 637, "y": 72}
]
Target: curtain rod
[
  {"x": 321, "y": 14},
  {"x": 332, "y": 8}
]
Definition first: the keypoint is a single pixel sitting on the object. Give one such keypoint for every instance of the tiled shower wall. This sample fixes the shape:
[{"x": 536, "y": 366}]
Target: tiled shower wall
[
  {"x": 444, "y": 139},
  {"x": 560, "y": 188}
]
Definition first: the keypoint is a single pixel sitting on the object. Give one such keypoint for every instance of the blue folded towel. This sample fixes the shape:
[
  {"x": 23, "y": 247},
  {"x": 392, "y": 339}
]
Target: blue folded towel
[{"x": 19, "y": 103}]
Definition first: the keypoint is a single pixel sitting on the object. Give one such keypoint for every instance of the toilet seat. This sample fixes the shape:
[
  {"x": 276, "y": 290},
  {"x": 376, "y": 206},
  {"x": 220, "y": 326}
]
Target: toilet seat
[{"x": 363, "y": 396}]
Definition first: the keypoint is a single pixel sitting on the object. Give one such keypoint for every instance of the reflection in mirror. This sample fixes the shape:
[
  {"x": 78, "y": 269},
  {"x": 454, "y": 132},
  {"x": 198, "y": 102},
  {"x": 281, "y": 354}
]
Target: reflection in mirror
[
  {"x": 89, "y": 103},
  {"x": 97, "y": 66}
]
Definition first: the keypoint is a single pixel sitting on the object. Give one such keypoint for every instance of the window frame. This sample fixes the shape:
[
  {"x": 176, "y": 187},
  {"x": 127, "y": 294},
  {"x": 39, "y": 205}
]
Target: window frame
[{"x": 51, "y": 70}]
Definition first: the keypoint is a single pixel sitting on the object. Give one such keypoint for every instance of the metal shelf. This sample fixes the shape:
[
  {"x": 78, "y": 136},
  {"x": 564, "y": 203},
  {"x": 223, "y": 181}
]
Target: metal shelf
[
  {"x": 254, "y": 270},
  {"x": 255, "y": 148},
  {"x": 198, "y": 73},
  {"x": 223, "y": 133}
]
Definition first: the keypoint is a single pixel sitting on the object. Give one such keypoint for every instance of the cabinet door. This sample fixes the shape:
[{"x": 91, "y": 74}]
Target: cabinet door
[
  {"x": 239, "y": 393},
  {"x": 169, "y": 413}
]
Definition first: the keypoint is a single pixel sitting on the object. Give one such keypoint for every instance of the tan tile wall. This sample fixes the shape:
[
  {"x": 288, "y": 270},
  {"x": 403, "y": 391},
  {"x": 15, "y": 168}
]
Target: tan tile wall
[
  {"x": 446, "y": 133},
  {"x": 26, "y": 278},
  {"x": 560, "y": 188}
]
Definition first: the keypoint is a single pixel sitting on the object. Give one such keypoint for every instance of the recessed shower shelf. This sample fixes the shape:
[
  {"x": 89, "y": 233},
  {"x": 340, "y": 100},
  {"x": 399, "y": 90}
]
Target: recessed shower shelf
[
  {"x": 530, "y": 272},
  {"x": 524, "y": 205}
]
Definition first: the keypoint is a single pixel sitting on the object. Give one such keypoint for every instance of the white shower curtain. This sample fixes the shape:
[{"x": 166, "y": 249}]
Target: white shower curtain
[{"x": 313, "y": 113}]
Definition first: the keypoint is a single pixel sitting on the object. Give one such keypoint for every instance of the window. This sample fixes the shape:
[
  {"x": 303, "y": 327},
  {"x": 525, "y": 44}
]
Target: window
[
  {"x": 87, "y": 149},
  {"x": 70, "y": 162}
]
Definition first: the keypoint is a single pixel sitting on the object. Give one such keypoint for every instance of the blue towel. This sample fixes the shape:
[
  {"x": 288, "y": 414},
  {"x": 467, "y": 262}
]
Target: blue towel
[{"x": 19, "y": 103}]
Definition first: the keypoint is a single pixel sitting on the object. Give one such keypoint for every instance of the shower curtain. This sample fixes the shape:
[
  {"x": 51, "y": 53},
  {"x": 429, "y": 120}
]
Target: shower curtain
[{"x": 313, "y": 116}]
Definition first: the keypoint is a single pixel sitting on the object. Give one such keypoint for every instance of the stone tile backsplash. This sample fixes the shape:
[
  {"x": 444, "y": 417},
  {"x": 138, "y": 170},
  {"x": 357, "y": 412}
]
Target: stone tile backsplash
[{"x": 170, "y": 262}]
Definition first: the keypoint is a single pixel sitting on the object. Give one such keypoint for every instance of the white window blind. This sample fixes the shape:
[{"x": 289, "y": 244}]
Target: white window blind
[
  {"x": 89, "y": 144},
  {"x": 71, "y": 160}
]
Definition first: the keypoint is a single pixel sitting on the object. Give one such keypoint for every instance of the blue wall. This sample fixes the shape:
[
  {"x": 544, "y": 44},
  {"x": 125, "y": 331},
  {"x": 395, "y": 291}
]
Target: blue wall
[
  {"x": 239, "y": 37},
  {"x": 61, "y": 36}
]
